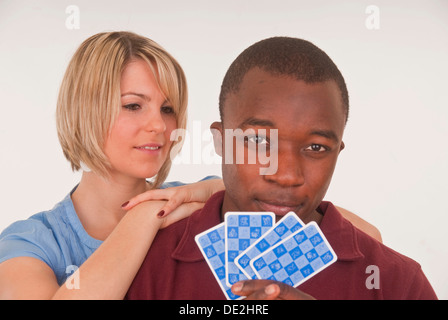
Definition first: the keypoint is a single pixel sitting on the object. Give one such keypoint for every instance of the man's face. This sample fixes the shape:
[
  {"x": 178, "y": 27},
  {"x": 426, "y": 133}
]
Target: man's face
[{"x": 310, "y": 120}]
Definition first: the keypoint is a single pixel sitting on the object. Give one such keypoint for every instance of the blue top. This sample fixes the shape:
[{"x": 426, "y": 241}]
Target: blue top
[{"x": 55, "y": 237}]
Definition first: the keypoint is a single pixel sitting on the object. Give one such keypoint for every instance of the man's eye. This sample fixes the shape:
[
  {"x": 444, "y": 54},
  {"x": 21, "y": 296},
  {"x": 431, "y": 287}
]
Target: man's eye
[
  {"x": 257, "y": 139},
  {"x": 132, "y": 106},
  {"x": 316, "y": 148}
]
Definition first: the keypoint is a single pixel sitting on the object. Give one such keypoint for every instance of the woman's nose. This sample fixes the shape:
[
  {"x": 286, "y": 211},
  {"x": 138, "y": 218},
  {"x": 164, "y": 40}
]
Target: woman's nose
[{"x": 155, "y": 122}]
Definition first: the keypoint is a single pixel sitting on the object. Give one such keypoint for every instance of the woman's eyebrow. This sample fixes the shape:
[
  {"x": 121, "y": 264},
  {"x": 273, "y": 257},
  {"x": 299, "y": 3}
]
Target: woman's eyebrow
[{"x": 141, "y": 95}]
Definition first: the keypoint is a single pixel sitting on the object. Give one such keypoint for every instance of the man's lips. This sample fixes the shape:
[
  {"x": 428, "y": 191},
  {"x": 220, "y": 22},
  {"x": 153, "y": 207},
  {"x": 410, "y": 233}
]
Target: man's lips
[{"x": 279, "y": 207}]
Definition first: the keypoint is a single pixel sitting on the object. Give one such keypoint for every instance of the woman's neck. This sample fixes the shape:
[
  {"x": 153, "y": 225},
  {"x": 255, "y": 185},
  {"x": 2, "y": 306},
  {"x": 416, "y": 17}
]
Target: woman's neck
[{"x": 98, "y": 201}]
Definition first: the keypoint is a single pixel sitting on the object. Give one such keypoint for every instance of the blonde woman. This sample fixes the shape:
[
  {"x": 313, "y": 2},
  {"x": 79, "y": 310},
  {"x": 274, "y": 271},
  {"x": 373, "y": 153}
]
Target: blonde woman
[{"x": 121, "y": 97}]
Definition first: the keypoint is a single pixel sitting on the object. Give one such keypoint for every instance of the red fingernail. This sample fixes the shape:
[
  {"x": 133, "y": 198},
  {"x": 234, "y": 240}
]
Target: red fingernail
[
  {"x": 161, "y": 213},
  {"x": 125, "y": 204}
]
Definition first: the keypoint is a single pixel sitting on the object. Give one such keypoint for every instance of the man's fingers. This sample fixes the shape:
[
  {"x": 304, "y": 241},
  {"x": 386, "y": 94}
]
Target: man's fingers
[
  {"x": 257, "y": 290},
  {"x": 268, "y": 290},
  {"x": 249, "y": 287}
]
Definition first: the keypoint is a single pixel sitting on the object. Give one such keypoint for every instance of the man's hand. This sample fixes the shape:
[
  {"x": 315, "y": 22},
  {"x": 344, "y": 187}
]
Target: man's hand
[{"x": 268, "y": 290}]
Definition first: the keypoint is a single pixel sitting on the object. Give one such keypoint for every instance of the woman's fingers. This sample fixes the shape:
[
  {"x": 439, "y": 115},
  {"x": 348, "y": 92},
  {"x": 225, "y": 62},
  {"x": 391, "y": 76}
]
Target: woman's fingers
[
  {"x": 195, "y": 192},
  {"x": 156, "y": 194},
  {"x": 171, "y": 205},
  {"x": 183, "y": 211}
]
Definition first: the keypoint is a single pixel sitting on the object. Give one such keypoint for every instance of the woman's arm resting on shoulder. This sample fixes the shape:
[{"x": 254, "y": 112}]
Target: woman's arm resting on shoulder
[
  {"x": 196, "y": 192},
  {"x": 361, "y": 224},
  {"x": 107, "y": 273}
]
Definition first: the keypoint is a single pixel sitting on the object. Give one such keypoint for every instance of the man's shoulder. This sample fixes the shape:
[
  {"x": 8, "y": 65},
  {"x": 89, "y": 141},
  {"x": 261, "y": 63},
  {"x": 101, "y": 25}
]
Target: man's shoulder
[
  {"x": 373, "y": 249},
  {"x": 360, "y": 223},
  {"x": 400, "y": 276}
]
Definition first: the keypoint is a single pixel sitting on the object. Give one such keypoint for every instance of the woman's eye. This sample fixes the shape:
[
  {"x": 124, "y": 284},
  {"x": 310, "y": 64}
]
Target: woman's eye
[
  {"x": 132, "y": 106},
  {"x": 167, "y": 109}
]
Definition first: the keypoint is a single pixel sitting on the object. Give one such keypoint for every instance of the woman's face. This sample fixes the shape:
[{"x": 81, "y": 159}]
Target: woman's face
[{"x": 139, "y": 140}]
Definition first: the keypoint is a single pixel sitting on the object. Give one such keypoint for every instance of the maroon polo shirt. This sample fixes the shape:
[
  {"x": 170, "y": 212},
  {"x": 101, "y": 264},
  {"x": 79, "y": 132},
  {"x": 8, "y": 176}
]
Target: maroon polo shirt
[{"x": 174, "y": 268}]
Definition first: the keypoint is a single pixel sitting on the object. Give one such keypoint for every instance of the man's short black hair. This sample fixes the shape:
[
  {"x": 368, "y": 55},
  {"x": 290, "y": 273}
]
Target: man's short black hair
[{"x": 293, "y": 57}]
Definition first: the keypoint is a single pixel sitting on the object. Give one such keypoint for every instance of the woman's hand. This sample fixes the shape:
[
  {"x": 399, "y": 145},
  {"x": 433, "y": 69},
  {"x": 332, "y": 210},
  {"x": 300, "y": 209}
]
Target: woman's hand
[
  {"x": 175, "y": 196},
  {"x": 183, "y": 211},
  {"x": 153, "y": 207}
]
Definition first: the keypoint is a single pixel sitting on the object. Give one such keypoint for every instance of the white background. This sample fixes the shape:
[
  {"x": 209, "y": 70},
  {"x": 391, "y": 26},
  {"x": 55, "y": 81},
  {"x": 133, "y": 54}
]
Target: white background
[{"x": 393, "y": 172}]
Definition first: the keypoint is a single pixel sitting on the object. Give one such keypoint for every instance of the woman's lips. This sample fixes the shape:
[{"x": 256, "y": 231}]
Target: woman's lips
[
  {"x": 279, "y": 208},
  {"x": 150, "y": 148}
]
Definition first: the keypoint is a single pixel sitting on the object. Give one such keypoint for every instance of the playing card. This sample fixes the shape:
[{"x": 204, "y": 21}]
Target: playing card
[
  {"x": 241, "y": 230},
  {"x": 297, "y": 258},
  {"x": 212, "y": 245},
  {"x": 282, "y": 229}
]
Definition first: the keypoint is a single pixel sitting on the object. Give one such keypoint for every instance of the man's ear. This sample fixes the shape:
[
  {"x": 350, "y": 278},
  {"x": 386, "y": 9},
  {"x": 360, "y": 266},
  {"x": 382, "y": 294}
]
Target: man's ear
[
  {"x": 216, "y": 129},
  {"x": 342, "y": 146}
]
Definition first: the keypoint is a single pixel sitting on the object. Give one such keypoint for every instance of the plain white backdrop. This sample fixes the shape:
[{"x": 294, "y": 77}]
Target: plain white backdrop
[{"x": 393, "y": 172}]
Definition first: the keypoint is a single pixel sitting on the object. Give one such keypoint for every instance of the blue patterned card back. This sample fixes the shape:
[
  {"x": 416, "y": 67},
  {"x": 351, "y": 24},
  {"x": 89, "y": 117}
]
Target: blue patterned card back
[
  {"x": 294, "y": 260},
  {"x": 282, "y": 229},
  {"x": 212, "y": 245},
  {"x": 242, "y": 229}
]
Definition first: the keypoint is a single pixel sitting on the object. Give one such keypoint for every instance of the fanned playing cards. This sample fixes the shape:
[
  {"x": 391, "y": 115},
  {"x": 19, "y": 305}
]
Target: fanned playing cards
[{"x": 251, "y": 245}]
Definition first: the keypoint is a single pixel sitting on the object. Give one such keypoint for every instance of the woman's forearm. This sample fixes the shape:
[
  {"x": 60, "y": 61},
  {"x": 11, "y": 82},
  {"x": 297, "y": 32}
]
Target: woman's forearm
[{"x": 109, "y": 271}]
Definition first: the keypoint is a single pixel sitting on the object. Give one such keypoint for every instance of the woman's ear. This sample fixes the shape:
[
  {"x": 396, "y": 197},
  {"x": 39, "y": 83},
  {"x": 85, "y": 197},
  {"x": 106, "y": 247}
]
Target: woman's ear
[{"x": 216, "y": 129}]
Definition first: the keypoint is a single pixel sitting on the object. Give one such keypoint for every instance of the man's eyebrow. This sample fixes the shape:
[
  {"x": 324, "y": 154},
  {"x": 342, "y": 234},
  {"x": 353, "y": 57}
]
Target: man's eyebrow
[
  {"x": 329, "y": 134},
  {"x": 256, "y": 122}
]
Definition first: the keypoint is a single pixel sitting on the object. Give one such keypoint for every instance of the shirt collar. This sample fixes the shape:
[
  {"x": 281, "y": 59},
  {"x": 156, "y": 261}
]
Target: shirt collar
[
  {"x": 201, "y": 220},
  {"x": 339, "y": 232}
]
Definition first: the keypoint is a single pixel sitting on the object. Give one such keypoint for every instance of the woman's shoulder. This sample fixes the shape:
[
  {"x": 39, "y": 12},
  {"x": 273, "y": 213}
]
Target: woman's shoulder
[
  {"x": 171, "y": 184},
  {"x": 32, "y": 237},
  {"x": 42, "y": 222},
  {"x": 55, "y": 237}
]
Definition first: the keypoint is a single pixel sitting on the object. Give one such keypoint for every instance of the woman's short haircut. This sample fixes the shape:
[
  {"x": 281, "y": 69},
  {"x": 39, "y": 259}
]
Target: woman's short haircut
[
  {"x": 284, "y": 56},
  {"x": 90, "y": 99}
]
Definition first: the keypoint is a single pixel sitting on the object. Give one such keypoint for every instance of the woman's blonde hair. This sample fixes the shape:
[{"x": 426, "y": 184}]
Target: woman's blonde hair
[{"x": 89, "y": 98}]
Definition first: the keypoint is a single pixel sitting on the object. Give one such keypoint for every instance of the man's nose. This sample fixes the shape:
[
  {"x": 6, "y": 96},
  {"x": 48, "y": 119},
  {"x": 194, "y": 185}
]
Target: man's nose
[{"x": 289, "y": 171}]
